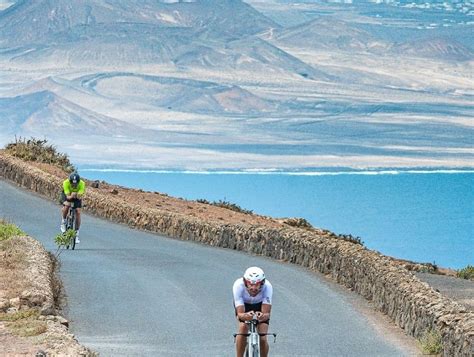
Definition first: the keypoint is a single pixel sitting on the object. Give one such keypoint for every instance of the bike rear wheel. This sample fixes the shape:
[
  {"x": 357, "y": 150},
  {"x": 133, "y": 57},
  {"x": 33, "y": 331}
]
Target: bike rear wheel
[
  {"x": 71, "y": 225},
  {"x": 73, "y": 238}
]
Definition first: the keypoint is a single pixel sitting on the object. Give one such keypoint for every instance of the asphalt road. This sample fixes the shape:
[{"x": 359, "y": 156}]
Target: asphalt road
[{"x": 132, "y": 293}]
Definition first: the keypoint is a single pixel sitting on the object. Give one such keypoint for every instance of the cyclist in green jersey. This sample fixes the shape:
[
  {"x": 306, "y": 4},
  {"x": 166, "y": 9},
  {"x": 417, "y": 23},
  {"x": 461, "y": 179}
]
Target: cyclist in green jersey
[{"x": 73, "y": 191}]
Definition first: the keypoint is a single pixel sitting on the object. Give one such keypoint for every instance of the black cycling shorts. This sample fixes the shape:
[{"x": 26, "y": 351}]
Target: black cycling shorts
[
  {"x": 77, "y": 201},
  {"x": 254, "y": 307}
]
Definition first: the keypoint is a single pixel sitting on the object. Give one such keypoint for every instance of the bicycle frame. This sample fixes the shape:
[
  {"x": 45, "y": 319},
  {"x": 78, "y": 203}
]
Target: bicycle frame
[
  {"x": 71, "y": 223},
  {"x": 253, "y": 338}
]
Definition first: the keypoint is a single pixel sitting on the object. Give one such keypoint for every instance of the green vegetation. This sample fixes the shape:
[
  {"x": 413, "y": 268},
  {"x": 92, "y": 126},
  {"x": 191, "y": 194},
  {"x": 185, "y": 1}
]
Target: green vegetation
[
  {"x": 29, "y": 327},
  {"x": 24, "y": 323},
  {"x": 64, "y": 239},
  {"x": 19, "y": 315},
  {"x": 298, "y": 222},
  {"x": 466, "y": 273},
  {"x": 350, "y": 238},
  {"x": 8, "y": 230},
  {"x": 226, "y": 204},
  {"x": 431, "y": 343},
  {"x": 431, "y": 268},
  {"x": 39, "y": 151}
]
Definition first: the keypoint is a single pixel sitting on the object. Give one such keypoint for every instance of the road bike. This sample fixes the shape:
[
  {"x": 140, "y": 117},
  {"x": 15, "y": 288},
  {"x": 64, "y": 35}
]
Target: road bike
[
  {"x": 71, "y": 225},
  {"x": 252, "y": 349}
]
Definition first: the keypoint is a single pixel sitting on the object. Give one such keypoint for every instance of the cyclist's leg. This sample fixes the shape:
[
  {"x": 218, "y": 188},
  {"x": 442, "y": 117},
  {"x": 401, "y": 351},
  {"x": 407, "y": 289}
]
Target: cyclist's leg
[
  {"x": 65, "y": 209},
  {"x": 241, "y": 341},
  {"x": 264, "y": 347},
  {"x": 64, "y": 213},
  {"x": 78, "y": 205},
  {"x": 78, "y": 219},
  {"x": 66, "y": 205}
]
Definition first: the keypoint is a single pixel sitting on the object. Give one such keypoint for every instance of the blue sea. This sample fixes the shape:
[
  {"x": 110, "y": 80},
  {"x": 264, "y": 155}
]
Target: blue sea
[{"x": 424, "y": 216}]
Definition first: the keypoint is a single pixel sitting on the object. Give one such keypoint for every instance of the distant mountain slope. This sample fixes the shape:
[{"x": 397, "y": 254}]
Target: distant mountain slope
[
  {"x": 178, "y": 94},
  {"x": 210, "y": 34},
  {"x": 29, "y": 22},
  {"x": 251, "y": 54},
  {"x": 325, "y": 33},
  {"x": 46, "y": 114},
  {"x": 435, "y": 48},
  {"x": 329, "y": 33},
  {"x": 110, "y": 45}
]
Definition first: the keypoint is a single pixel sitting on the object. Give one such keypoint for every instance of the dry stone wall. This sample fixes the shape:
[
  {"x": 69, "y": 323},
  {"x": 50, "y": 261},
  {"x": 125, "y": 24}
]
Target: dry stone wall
[{"x": 412, "y": 304}]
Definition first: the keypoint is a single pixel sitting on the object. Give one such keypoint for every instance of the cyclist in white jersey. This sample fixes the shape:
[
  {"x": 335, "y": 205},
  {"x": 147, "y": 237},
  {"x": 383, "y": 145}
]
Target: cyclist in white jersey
[{"x": 252, "y": 295}]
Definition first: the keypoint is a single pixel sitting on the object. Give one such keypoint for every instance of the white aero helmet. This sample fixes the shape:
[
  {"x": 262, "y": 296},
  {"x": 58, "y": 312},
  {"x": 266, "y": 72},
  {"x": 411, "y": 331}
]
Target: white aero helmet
[{"x": 254, "y": 275}]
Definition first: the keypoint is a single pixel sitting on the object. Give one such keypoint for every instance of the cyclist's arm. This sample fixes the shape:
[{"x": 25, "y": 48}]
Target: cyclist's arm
[
  {"x": 81, "y": 189},
  {"x": 242, "y": 315},
  {"x": 237, "y": 291},
  {"x": 67, "y": 189},
  {"x": 266, "y": 302},
  {"x": 265, "y": 314}
]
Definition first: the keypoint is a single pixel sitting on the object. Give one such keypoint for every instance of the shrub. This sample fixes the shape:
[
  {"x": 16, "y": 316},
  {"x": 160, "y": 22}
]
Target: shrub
[
  {"x": 466, "y": 273},
  {"x": 226, "y": 204},
  {"x": 431, "y": 342},
  {"x": 64, "y": 239},
  {"x": 431, "y": 268},
  {"x": 351, "y": 238},
  {"x": 39, "y": 151},
  {"x": 297, "y": 222},
  {"x": 8, "y": 230}
]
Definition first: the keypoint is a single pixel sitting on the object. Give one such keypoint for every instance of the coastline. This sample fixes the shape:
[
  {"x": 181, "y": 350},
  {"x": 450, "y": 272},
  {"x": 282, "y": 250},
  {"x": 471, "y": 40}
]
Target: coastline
[{"x": 397, "y": 213}]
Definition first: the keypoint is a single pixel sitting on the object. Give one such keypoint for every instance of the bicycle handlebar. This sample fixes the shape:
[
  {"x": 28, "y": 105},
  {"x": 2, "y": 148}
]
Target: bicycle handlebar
[{"x": 260, "y": 334}]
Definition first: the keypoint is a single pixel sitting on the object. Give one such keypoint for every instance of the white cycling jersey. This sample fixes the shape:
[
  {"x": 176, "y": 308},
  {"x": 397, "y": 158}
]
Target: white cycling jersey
[{"x": 242, "y": 296}]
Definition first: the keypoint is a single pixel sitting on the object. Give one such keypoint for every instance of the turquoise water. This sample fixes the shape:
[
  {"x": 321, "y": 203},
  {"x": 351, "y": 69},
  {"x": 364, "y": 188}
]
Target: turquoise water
[{"x": 422, "y": 216}]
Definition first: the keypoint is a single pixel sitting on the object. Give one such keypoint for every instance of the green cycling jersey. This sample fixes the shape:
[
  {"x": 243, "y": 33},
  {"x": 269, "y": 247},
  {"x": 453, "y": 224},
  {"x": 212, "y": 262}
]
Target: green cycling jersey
[{"x": 68, "y": 188}]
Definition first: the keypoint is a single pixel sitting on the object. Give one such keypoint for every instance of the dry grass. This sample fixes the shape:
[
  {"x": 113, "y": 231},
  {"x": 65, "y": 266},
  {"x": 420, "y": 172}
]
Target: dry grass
[
  {"x": 12, "y": 260},
  {"x": 24, "y": 323},
  {"x": 39, "y": 151},
  {"x": 27, "y": 328},
  {"x": 13, "y": 281},
  {"x": 19, "y": 315}
]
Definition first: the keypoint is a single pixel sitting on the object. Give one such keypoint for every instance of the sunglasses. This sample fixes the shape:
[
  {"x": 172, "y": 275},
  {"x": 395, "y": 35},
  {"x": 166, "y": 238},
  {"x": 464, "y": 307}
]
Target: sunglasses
[{"x": 249, "y": 284}]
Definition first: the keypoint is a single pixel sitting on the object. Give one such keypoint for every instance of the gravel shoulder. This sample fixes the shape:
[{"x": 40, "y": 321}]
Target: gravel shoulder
[{"x": 460, "y": 290}]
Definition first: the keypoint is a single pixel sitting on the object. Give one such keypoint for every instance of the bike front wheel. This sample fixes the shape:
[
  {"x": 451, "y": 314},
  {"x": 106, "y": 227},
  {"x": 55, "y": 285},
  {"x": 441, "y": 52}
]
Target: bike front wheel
[
  {"x": 256, "y": 352},
  {"x": 71, "y": 225}
]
